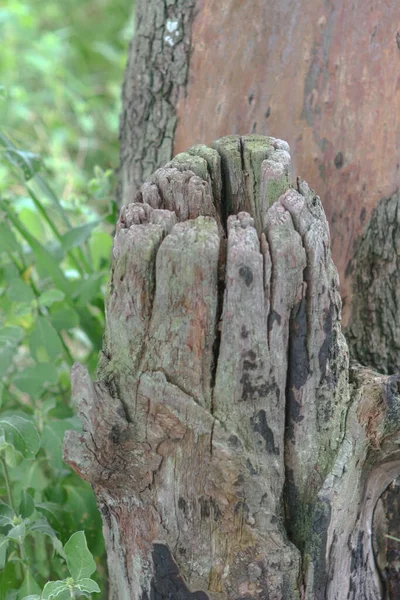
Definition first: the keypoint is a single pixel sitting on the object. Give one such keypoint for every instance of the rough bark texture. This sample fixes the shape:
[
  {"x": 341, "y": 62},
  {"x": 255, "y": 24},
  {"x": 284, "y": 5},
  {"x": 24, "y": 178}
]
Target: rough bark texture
[
  {"x": 323, "y": 74},
  {"x": 157, "y": 69},
  {"x": 232, "y": 455},
  {"x": 374, "y": 335}
]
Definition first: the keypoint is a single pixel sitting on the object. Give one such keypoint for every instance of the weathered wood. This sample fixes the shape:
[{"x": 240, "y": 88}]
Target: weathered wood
[
  {"x": 321, "y": 74},
  {"x": 231, "y": 455}
]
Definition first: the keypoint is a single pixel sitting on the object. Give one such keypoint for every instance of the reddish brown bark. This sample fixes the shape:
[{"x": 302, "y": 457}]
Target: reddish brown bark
[{"x": 323, "y": 75}]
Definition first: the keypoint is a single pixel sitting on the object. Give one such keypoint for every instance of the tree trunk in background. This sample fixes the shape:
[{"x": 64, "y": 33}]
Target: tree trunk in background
[{"x": 233, "y": 453}]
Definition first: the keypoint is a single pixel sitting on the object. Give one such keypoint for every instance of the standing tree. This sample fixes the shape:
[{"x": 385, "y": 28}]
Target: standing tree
[{"x": 233, "y": 452}]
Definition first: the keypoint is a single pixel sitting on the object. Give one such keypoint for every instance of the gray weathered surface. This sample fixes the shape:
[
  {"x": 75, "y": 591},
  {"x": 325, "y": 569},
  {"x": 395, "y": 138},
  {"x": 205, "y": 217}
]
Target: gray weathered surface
[{"x": 230, "y": 455}]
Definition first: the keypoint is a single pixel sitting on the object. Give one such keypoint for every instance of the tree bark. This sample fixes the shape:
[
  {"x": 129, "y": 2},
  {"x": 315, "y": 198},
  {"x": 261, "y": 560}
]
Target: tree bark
[
  {"x": 321, "y": 74},
  {"x": 233, "y": 452}
]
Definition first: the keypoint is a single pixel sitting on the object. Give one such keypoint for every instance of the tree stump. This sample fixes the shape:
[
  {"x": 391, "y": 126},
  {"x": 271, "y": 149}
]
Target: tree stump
[{"x": 233, "y": 452}]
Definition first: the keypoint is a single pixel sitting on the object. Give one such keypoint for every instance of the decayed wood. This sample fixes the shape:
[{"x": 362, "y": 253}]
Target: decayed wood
[
  {"x": 233, "y": 453},
  {"x": 323, "y": 75}
]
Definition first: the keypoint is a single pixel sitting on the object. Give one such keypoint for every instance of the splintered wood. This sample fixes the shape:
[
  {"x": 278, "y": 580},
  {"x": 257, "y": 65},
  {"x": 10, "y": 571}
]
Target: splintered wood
[{"x": 230, "y": 455}]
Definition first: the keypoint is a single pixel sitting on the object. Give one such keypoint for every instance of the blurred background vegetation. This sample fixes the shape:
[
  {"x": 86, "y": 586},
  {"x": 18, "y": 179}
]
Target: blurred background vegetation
[{"x": 61, "y": 71}]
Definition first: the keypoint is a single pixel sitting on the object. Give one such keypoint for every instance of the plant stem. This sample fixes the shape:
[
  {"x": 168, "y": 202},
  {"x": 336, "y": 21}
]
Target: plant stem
[{"x": 8, "y": 485}]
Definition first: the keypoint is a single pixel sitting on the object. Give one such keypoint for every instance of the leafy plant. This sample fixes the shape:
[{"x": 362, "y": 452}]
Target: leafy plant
[
  {"x": 52, "y": 276},
  {"x": 60, "y": 79}
]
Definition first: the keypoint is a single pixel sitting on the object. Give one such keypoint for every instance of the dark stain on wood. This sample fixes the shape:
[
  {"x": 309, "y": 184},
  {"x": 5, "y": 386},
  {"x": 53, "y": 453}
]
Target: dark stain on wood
[
  {"x": 259, "y": 425},
  {"x": 298, "y": 355},
  {"x": 167, "y": 582},
  {"x": 272, "y": 317},
  {"x": 326, "y": 346},
  {"x": 246, "y": 274}
]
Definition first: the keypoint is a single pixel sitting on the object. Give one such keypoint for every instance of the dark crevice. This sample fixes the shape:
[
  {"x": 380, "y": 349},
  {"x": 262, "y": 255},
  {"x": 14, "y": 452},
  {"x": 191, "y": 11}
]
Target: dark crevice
[{"x": 222, "y": 264}]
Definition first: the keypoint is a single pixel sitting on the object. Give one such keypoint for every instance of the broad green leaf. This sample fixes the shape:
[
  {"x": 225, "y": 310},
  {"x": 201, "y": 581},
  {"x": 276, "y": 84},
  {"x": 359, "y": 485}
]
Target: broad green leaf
[
  {"x": 100, "y": 245},
  {"x": 44, "y": 258},
  {"x": 79, "y": 559},
  {"x": 32, "y": 597},
  {"x": 4, "y": 541},
  {"x": 19, "y": 291},
  {"x": 29, "y": 586},
  {"x": 8, "y": 241},
  {"x": 81, "y": 503},
  {"x": 87, "y": 289},
  {"x": 78, "y": 235},
  {"x": 87, "y": 585},
  {"x": 10, "y": 335},
  {"x": 28, "y": 162},
  {"x": 44, "y": 342},
  {"x": 21, "y": 434},
  {"x": 32, "y": 380},
  {"x": 6, "y": 359},
  {"x": 26, "y": 505},
  {"x": 12, "y": 457},
  {"x": 33, "y": 222},
  {"x": 54, "y": 589},
  {"x": 1, "y": 393},
  {"x": 52, "y": 440},
  {"x": 43, "y": 526},
  {"x": 6, "y": 514},
  {"x": 64, "y": 318},
  {"x": 17, "y": 532},
  {"x": 9, "y": 579},
  {"x": 58, "y": 516},
  {"x": 50, "y": 296},
  {"x": 29, "y": 473}
]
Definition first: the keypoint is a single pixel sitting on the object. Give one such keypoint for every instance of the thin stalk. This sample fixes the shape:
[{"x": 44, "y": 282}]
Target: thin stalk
[
  {"x": 8, "y": 485},
  {"x": 53, "y": 227}
]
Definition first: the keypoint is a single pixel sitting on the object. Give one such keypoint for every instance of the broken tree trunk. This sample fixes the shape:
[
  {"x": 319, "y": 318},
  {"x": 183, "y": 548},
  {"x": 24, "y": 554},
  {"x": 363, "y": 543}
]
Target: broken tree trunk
[{"x": 233, "y": 453}]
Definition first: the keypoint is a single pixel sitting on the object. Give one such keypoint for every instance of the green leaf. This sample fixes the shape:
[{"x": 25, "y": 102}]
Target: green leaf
[
  {"x": 6, "y": 514},
  {"x": 8, "y": 241},
  {"x": 87, "y": 289},
  {"x": 44, "y": 257},
  {"x": 52, "y": 440},
  {"x": 19, "y": 291},
  {"x": 17, "y": 532},
  {"x": 58, "y": 516},
  {"x": 87, "y": 585},
  {"x": 9, "y": 579},
  {"x": 100, "y": 245},
  {"x": 26, "y": 505},
  {"x": 28, "y": 162},
  {"x": 10, "y": 335},
  {"x": 29, "y": 586},
  {"x": 33, "y": 222},
  {"x": 64, "y": 318},
  {"x": 43, "y": 526},
  {"x": 44, "y": 342},
  {"x": 32, "y": 597},
  {"x": 79, "y": 559},
  {"x": 1, "y": 393},
  {"x": 4, "y": 541},
  {"x": 33, "y": 379},
  {"x": 12, "y": 457},
  {"x": 50, "y": 296},
  {"x": 54, "y": 589},
  {"x": 21, "y": 434},
  {"x": 6, "y": 359},
  {"x": 78, "y": 235}
]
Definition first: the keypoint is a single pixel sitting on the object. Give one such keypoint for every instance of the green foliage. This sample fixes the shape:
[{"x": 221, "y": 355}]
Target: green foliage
[{"x": 60, "y": 78}]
